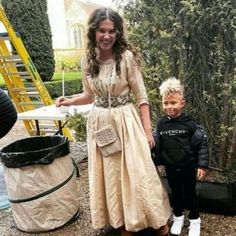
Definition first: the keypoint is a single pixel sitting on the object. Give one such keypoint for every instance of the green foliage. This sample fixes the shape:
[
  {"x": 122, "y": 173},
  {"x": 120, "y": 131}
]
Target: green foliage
[
  {"x": 71, "y": 87},
  {"x": 71, "y": 64},
  {"x": 70, "y": 59},
  {"x": 196, "y": 42},
  {"x": 67, "y": 75},
  {"x": 152, "y": 80},
  {"x": 2, "y": 82},
  {"x": 77, "y": 122},
  {"x": 72, "y": 84},
  {"x": 30, "y": 20},
  {"x": 225, "y": 176}
]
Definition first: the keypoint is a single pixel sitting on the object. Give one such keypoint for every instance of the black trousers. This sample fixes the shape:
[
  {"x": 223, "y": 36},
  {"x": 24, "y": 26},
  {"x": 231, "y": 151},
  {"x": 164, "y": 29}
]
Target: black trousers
[{"x": 182, "y": 182}]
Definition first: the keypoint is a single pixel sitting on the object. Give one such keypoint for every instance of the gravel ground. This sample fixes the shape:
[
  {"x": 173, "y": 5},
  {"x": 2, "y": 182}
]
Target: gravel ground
[{"x": 212, "y": 225}]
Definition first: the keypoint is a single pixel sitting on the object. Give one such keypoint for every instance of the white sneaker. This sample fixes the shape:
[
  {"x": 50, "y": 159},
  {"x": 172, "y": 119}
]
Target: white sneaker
[
  {"x": 178, "y": 224},
  {"x": 195, "y": 227}
]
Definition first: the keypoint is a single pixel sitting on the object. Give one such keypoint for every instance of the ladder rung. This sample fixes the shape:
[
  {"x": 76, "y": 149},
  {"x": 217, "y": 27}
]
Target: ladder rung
[
  {"x": 19, "y": 64},
  {"x": 11, "y": 58},
  {"x": 4, "y": 36},
  {"x": 26, "y": 77},
  {"x": 16, "y": 73},
  {"x": 45, "y": 130},
  {"x": 34, "y": 95},
  {"x": 30, "y": 94},
  {"x": 31, "y": 103},
  {"x": 47, "y": 125},
  {"x": 8, "y": 66},
  {"x": 29, "y": 89}
]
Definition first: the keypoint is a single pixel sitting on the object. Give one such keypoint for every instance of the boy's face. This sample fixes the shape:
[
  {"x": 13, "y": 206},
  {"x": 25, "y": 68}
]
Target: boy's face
[{"x": 173, "y": 104}]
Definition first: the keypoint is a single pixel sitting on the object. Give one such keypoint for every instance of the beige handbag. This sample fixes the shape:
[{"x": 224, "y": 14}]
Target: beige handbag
[
  {"x": 107, "y": 141},
  {"x": 106, "y": 138}
]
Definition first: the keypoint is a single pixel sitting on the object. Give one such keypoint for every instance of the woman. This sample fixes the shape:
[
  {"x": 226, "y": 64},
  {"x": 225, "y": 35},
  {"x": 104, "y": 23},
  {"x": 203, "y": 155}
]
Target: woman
[{"x": 125, "y": 189}]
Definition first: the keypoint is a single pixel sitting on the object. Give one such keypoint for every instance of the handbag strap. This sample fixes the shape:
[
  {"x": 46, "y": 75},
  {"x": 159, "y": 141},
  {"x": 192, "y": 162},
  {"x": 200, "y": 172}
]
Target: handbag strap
[{"x": 111, "y": 76}]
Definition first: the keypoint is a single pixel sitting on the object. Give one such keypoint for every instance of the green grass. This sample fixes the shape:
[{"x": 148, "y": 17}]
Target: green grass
[
  {"x": 2, "y": 82},
  {"x": 56, "y": 76},
  {"x": 67, "y": 75}
]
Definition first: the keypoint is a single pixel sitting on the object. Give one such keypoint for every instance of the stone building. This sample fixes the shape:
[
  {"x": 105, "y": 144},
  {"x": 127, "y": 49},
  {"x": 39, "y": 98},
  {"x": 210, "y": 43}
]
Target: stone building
[{"x": 68, "y": 20}]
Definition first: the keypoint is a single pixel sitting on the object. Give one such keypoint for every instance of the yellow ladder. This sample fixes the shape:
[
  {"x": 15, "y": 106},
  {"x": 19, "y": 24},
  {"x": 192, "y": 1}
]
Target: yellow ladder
[{"x": 23, "y": 82}]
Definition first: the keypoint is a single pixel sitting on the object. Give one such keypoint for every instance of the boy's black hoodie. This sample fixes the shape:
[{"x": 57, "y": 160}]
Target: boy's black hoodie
[{"x": 179, "y": 144}]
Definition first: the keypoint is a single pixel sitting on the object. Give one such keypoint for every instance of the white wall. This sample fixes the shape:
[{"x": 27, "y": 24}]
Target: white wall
[{"x": 57, "y": 18}]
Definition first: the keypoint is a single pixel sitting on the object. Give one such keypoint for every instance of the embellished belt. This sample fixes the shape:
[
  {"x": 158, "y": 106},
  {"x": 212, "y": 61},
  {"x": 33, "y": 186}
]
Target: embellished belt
[{"x": 116, "y": 101}]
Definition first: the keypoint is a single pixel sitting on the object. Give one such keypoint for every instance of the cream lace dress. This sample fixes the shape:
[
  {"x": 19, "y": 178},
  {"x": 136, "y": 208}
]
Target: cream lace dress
[{"x": 125, "y": 188}]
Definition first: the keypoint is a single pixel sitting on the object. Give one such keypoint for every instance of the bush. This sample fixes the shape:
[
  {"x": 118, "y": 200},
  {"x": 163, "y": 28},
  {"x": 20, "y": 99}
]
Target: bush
[
  {"x": 71, "y": 87},
  {"x": 30, "y": 20},
  {"x": 188, "y": 40},
  {"x": 78, "y": 123}
]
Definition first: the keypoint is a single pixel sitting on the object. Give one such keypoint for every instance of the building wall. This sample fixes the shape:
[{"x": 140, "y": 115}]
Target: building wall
[
  {"x": 68, "y": 21},
  {"x": 58, "y": 23}
]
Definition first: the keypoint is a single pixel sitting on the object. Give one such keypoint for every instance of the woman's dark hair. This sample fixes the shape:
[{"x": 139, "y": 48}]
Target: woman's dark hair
[{"x": 120, "y": 46}]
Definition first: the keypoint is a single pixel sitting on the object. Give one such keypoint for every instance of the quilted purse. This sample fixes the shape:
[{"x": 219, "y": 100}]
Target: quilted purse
[
  {"x": 106, "y": 138},
  {"x": 107, "y": 141}
]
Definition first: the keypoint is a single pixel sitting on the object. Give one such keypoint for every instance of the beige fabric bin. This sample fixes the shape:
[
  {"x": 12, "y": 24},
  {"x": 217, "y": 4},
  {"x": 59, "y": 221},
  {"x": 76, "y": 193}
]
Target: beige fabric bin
[{"x": 43, "y": 196}]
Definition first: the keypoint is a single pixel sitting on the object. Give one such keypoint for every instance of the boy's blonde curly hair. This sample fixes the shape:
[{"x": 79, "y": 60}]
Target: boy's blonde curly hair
[{"x": 171, "y": 85}]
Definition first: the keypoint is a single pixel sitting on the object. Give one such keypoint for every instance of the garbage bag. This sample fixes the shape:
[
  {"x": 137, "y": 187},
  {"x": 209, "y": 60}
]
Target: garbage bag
[
  {"x": 213, "y": 197},
  {"x": 216, "y": 198},
  {"x": 37, "y": 150}
]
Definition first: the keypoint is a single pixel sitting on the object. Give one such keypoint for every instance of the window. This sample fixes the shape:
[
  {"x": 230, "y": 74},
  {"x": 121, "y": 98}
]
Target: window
[{"x": 76, "y": 36}]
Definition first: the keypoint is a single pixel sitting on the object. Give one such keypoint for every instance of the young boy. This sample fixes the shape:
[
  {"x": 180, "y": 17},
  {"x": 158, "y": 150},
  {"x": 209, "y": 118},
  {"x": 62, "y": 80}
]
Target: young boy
[{"x": 181, "y": 146}]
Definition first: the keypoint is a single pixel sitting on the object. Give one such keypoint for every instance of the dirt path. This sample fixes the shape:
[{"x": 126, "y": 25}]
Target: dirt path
[{"x": 17, "y": 132}]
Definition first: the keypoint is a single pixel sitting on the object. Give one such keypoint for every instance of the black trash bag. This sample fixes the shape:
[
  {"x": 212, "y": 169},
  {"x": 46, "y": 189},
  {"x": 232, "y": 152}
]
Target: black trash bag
[
  {"x": 8, "y": 114},
  {"x": 234, "y": 197},
  {"x": 34, "y": 150},
  {"x": 215, "y": 198}
]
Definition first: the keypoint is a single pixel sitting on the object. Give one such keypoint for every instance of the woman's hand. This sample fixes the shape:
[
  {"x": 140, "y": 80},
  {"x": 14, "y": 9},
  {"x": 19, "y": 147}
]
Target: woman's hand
[
  {"x": 146, "y": 122},
  {"x": 150, "y": 139},
  {"x": 63, "y": 101},
  {"x": 81, "y": 99}
]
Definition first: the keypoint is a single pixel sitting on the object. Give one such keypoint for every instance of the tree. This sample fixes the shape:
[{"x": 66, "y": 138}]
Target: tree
[
  {"x": 30, "y": 20},
  {"x": 196, "y": 42}
]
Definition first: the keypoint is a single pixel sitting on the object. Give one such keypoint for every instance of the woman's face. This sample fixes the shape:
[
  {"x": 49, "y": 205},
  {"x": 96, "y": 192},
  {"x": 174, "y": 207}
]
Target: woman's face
[{"x": 106, "y": 36}]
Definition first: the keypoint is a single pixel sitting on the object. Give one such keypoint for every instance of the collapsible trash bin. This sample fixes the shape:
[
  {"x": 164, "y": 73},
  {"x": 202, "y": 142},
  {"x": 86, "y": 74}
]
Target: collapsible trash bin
[{"x": 41, "y": 183}]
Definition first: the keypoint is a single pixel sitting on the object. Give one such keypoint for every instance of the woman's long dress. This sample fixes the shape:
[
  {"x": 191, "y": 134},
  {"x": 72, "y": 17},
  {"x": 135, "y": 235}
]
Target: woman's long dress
[{"x": 125, "y": 188}]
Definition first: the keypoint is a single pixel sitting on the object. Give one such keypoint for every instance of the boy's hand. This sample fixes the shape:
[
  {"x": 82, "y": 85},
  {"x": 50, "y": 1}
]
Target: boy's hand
[{"x": 201, "y": 173}]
